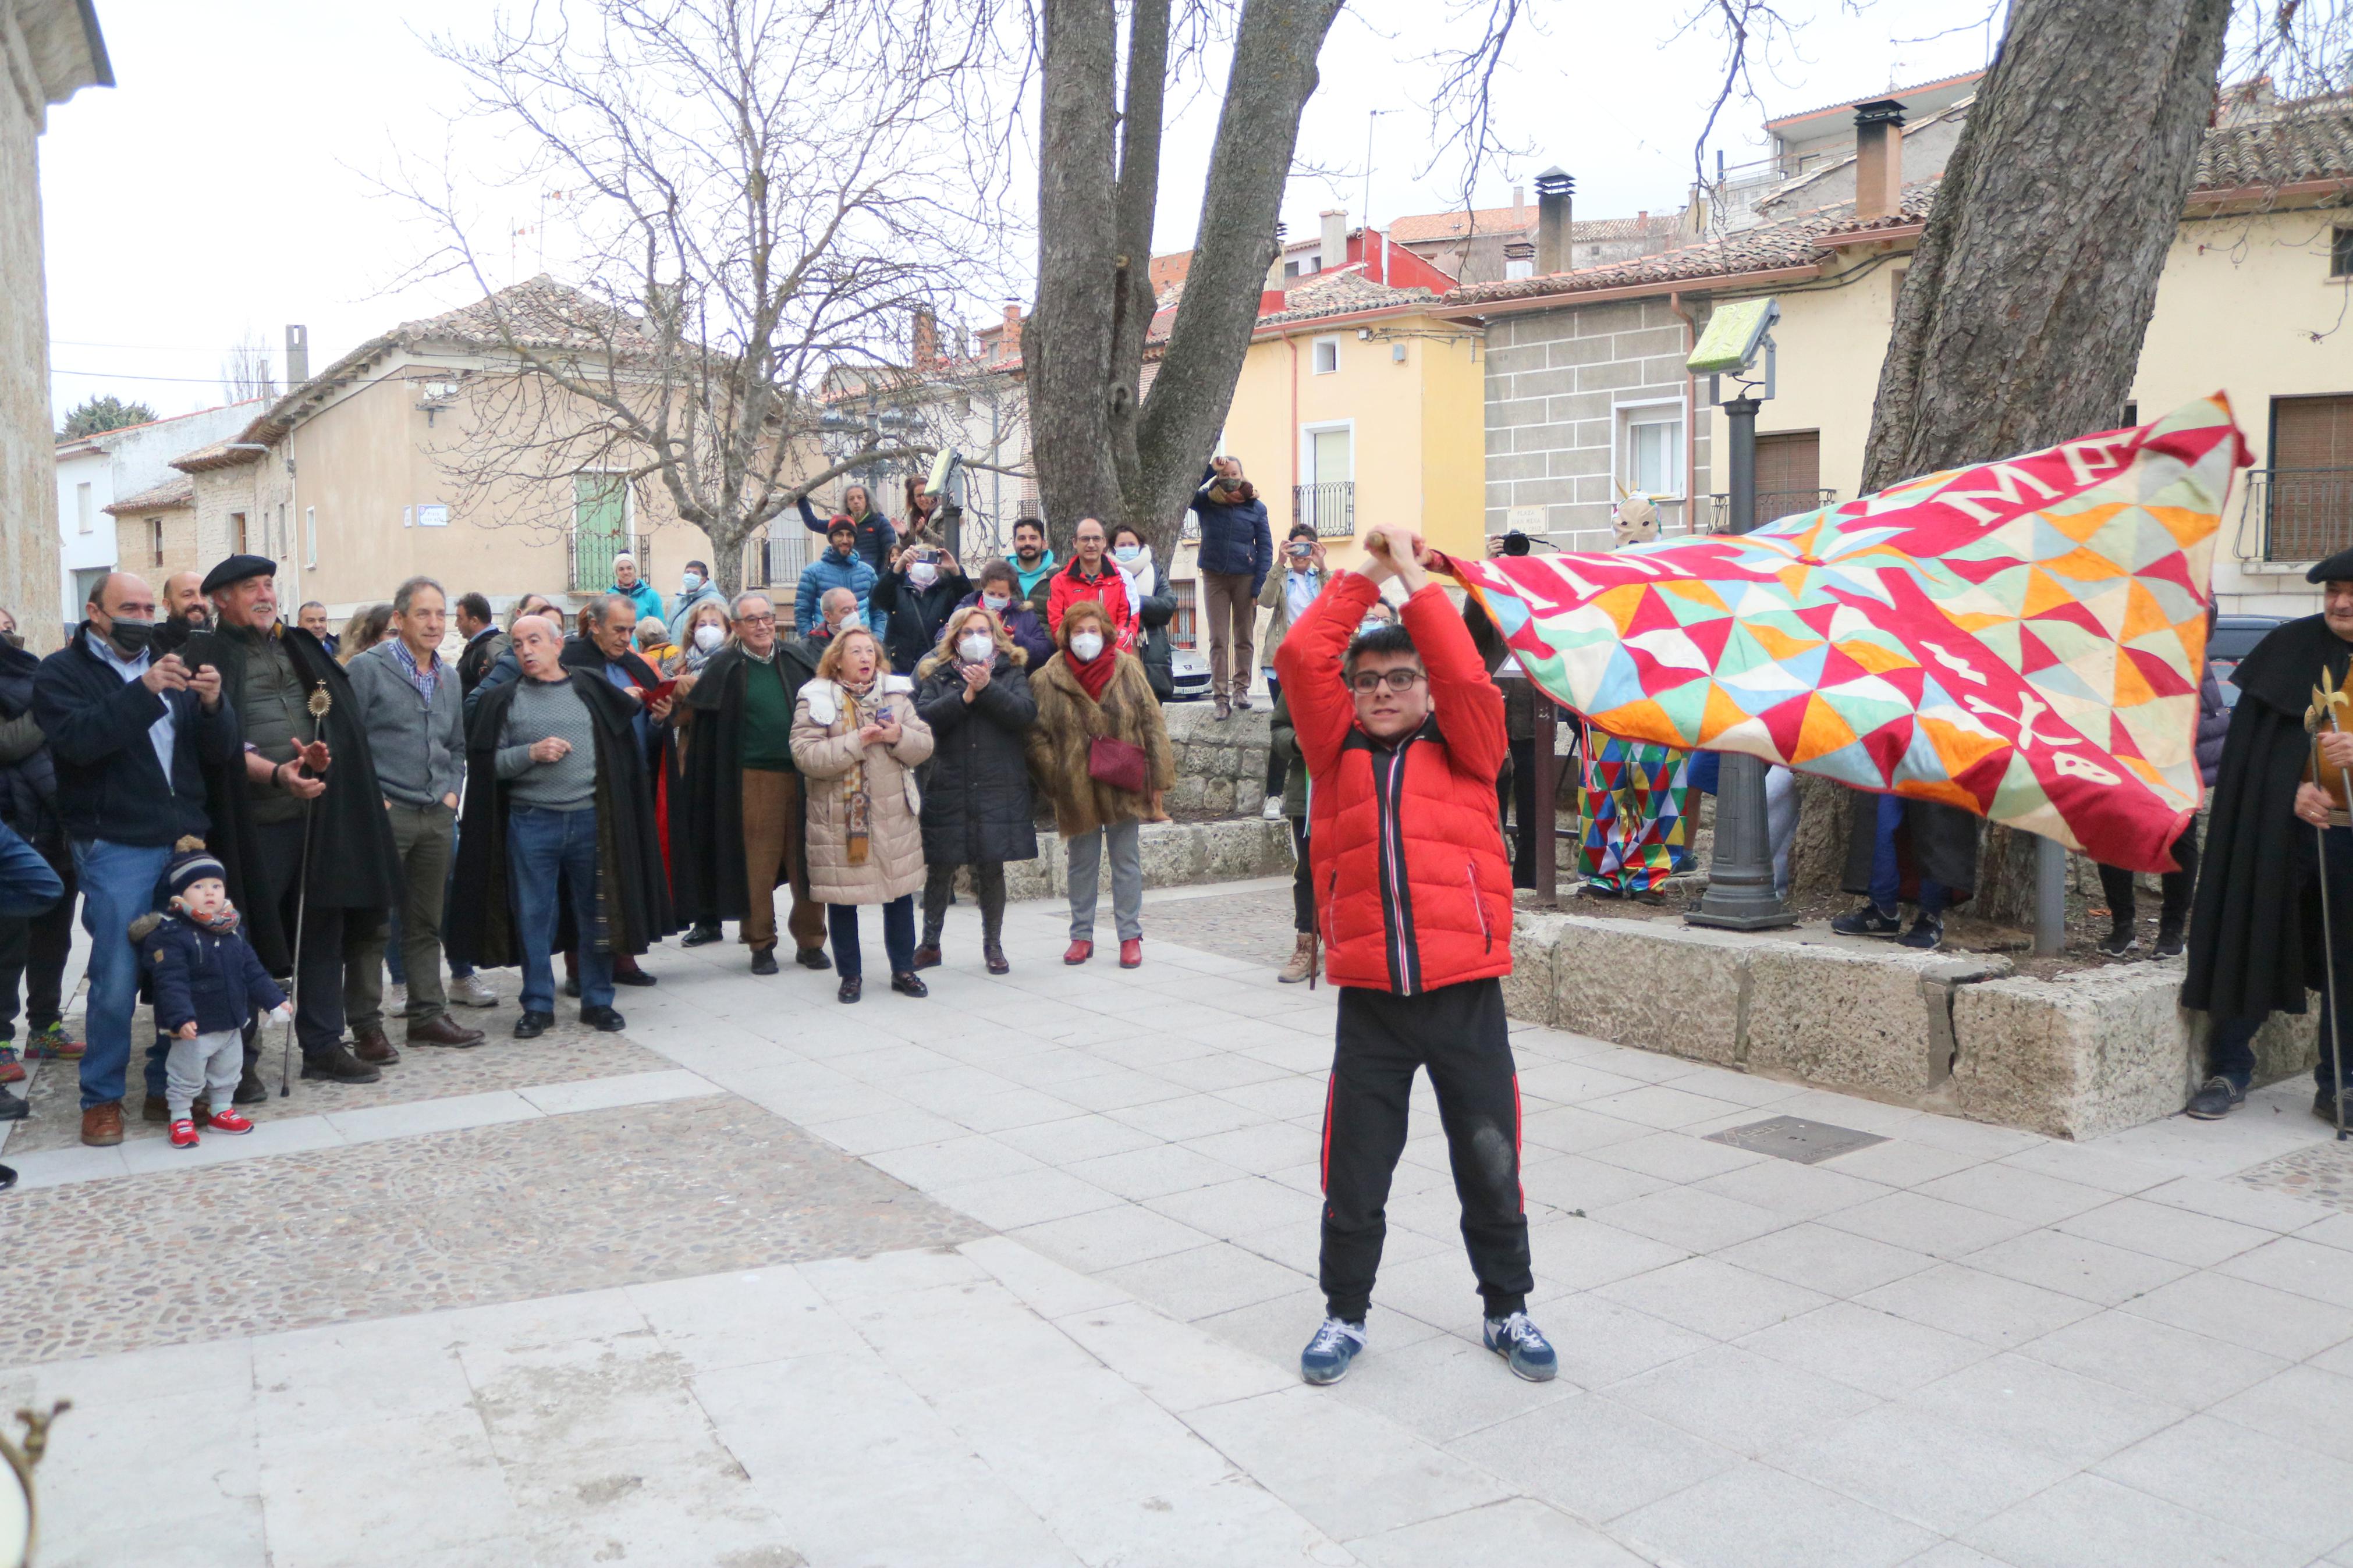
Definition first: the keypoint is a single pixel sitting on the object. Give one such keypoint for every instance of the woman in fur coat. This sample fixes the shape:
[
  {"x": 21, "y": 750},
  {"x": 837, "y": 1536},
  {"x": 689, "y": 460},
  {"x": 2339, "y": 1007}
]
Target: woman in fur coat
[
  {"x": 1100, "y": 749},
  {"x": 857, "y": 740}
]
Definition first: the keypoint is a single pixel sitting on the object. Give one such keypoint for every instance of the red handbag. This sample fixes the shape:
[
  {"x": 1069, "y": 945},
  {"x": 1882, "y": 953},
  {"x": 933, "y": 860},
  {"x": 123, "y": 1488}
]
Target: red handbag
[{"x": 1117, "y": 763}]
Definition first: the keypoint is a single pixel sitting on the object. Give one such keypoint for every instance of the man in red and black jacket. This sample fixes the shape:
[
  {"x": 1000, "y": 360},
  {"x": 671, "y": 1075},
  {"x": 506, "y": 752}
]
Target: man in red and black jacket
[{"x": 1403, "y": 734}]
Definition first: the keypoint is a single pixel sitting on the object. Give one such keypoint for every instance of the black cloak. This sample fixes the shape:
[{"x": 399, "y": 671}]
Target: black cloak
[
  {"x": 1936, "y": 841},
  {"x": 633, "y": 894},
  {"x": 706, "y": 830},
  {"x": 2254, "y": 927},
  {"x": 352, "y": 862}
]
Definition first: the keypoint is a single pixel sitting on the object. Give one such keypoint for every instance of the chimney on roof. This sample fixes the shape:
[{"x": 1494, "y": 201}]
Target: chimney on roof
[
  {"x": 1519, "y": 198},
  {"x": 923, "y": 339},
  {"x": 1270, "y": 294},
  {"x": 298, "y": 356},
  {"x": 1555, "y": 191},
  {"x": 1334, "y": 254},
  {"x": 1878, "y": 160}
]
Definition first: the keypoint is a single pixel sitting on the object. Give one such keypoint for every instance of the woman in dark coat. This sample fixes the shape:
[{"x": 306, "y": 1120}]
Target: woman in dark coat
[
  {"x": 975, "y": 694},
  {"x": 1156, "y": 606}
]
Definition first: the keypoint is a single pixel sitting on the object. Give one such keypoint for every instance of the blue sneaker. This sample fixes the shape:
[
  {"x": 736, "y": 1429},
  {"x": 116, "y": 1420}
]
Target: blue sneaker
[
  {"x": 1328, "y": 1355},
  {"x": 1521, "y": 1343}
]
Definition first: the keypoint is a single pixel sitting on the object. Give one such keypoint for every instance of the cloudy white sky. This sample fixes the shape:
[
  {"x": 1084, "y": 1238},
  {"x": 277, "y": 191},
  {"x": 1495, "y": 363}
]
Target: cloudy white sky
[{"x": 224, "y": 185}]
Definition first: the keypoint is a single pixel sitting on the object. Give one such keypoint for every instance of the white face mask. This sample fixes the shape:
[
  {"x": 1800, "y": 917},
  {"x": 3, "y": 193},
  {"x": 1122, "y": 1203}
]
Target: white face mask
[
  {"x": 996, "y": 602},
  {"x": 692, "y": 581},
  {"x": 976, "y": 647},
  {"x": 1128, "y": 554},
  {"x": 922, "y": 574},
  {"x": 846, "y": 622},
  {"x": 708, "y": 637},
  {"x": 1088, "y": 646}
]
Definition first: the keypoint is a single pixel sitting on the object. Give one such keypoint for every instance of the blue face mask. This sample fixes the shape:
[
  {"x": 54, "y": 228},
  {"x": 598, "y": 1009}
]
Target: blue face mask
[{"x": 1128, "y": 554}]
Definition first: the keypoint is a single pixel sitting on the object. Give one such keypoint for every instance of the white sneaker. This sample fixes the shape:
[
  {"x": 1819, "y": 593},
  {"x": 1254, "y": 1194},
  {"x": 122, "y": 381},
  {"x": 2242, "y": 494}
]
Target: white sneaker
[
  {"x": 1273, "y": 812},
  {"x": 395, "y": 1002},
  {"x": 472, "y": 992}
]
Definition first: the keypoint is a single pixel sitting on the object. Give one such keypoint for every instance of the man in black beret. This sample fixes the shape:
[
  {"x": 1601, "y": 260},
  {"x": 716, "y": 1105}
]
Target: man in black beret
[
  {"x": 2255, "y": 929},
  {"x": 297, "y": 769}
]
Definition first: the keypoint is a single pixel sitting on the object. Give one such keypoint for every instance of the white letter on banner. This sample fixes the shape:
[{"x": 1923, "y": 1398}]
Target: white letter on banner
[
  {"x": 2074, "y": 766},
  {"x": 2007, "y": 478}
]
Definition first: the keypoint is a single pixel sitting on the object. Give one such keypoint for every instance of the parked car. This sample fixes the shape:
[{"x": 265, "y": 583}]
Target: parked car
[
  {"x": 1189, "y": 667},
  {"x": 2234, "y": 638}
]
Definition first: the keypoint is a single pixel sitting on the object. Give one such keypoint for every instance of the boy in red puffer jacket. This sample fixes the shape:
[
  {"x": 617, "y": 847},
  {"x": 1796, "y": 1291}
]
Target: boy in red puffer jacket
[{"x": 1403, "y": 735}]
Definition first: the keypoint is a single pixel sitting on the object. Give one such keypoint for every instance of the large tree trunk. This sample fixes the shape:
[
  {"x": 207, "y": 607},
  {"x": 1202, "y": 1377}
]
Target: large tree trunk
[
  {"x": 1100, "y": 450},
  {"x": 2022, "y": 314}
]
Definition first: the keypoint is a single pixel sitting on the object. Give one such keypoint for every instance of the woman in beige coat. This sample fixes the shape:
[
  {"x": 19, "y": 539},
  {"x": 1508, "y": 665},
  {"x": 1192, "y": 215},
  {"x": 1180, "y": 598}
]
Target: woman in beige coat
[
  {"x": 1088, "y": 693},
  {"x": 857, "y": 740}
]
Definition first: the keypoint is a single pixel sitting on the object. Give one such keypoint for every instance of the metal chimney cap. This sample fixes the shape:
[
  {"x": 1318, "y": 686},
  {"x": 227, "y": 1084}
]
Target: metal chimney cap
[
  {"x": 1518, "y": 251},
  {"x": 1885, "y": 111},
  {"x": 1556, "y": 182}
]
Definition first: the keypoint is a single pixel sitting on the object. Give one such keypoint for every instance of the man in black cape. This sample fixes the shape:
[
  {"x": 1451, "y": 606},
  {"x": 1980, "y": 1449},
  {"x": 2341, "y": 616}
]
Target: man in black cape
[
  {"x": 722, "y": 866},
  {"x": 632, "y": 895},
  {"x": 2255, "y": 928},
  {"x": 295, "y": 770},
  {"x": 608, "y": 647}
]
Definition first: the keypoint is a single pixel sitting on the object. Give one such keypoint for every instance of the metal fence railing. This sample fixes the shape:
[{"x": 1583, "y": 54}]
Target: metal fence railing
[
  {"x": 777, "y": 559},
  {"x": 1771, "y": 506},
  {"x": 2306, "y": 514},
  {"x": 1331, "y": 508},
  {"x": 591, "y": 558}
]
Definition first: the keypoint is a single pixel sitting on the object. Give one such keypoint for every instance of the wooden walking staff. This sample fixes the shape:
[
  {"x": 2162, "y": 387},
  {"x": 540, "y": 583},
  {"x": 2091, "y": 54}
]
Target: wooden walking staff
[
  {"x": 320, "y": 703},
  {"x": 2327, "y": 698}
]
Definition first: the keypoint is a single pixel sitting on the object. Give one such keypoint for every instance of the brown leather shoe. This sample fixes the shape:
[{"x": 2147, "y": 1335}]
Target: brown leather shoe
[
  {"x": 101, "y": 1125},
  {"x": 441, "y": 1031},
  {"x": 155, "y": 1111},
  {"x": 371, "y": 1047}
]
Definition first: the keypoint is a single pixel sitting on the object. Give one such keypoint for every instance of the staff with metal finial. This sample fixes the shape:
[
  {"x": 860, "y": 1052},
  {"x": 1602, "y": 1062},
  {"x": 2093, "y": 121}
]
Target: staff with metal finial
[
  {"x": 322, "y": 702},
  {"x": 2322, "y": 716}
]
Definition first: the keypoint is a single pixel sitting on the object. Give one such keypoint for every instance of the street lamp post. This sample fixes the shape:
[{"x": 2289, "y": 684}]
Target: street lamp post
[{"x": 1740, "y": 893}]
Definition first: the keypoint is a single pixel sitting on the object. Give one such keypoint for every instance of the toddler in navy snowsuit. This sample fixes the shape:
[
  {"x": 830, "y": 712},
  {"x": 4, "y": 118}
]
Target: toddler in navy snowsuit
[{"x": 207, "y": 983}]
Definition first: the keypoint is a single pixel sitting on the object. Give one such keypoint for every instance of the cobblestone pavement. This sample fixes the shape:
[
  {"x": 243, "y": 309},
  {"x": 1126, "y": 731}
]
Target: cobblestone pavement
[{"x": 1956, "y": 1347}]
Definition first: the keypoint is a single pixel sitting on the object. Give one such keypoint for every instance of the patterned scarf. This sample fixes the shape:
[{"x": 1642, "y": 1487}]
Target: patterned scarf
[
  {"x": 861, "y": 706},
  {"x": 222, "y": 921}
]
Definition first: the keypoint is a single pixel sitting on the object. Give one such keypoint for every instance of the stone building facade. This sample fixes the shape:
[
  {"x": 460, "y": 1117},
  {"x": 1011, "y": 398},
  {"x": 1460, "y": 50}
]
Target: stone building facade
[{"x": 51, "y": 50}]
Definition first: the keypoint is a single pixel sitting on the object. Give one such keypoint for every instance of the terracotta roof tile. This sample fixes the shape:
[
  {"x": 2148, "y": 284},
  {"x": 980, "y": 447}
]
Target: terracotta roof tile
[
  {"x": 173, "y": 492},
  {"x": 1340, "y": 293},
  {"x": 1422, "y": 228},
  {"x": 218, "y": 454},
  {"x": 2280, "y": 150}
]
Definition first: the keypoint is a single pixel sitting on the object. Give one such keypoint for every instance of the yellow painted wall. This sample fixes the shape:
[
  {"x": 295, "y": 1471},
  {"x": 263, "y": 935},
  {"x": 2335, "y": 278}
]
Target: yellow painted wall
[{"x": 2245, "y": 306}]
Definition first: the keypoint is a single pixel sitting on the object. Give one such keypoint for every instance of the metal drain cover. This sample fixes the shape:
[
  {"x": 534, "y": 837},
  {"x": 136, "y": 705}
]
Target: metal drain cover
[{"x": 1795, "y": 1138}]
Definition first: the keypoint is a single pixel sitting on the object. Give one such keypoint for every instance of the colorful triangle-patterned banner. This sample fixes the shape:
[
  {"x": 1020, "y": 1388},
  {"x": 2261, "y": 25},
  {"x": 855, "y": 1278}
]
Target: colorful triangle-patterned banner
[{"x": 2023, "y": 639}]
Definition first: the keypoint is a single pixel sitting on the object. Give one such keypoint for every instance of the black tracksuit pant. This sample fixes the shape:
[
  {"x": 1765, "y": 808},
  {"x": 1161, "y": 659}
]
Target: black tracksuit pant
[{"x": 1458, "y": 1033}]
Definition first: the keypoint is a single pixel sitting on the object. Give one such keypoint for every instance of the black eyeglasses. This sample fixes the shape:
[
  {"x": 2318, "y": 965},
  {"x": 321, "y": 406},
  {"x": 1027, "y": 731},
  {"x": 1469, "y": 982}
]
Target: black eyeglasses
[{"x": 1367, "y": 681}]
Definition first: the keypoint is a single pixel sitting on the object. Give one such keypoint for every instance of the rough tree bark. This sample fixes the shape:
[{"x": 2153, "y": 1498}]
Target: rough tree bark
[
  {"x": 2021, "y": 317},
  {"x": 1100, "y": 449}
]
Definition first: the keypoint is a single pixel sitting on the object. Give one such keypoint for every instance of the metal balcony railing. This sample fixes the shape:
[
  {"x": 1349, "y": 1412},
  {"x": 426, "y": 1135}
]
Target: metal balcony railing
[
  {"x": 777, "y": 560},
  {"x": 592, "y": 558},
  {"x": 1330, "y": 508},
  {"x": 2305, "y": 514},
  {"x": 1771, "y": 506}
]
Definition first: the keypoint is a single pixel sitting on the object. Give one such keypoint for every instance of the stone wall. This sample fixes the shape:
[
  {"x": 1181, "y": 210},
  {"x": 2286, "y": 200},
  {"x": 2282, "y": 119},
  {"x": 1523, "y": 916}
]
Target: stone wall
[
  {"x": 1956, "y": 1033},
  {"x": 1220, "y": 766},
  {"x": 1175, "y": 855}
]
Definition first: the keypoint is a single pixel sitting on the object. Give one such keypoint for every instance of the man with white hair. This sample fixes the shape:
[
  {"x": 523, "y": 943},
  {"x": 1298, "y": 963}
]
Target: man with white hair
[{"x": 630, "y": 585}]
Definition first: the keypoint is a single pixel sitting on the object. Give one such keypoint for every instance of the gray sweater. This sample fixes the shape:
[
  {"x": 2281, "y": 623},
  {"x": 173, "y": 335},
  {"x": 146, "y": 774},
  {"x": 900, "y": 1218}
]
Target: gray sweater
[
  {"x": 540, "y": 709},
  {"x": 421, "y": 752}
]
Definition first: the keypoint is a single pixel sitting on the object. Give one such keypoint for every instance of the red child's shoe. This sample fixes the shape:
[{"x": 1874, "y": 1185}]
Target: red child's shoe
[
  {"x": 1080, "y": 951},
  {"x": 1130, "y": 952},
  {"x": 184, "y": 1133},
  {"x": 229, "y": 1121}
]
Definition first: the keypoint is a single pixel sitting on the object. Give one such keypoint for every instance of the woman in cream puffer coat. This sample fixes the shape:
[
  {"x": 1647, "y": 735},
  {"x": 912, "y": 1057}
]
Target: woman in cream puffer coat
[{"x": 857, "y": 740}]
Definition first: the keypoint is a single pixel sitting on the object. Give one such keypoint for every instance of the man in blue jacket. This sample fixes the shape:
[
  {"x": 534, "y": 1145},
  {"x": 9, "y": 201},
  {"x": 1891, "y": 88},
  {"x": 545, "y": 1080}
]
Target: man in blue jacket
[
  {"x": 129, "y": 733},
  {"x": 841, "y": 566},
  {"x": 1236, "y": 552}
]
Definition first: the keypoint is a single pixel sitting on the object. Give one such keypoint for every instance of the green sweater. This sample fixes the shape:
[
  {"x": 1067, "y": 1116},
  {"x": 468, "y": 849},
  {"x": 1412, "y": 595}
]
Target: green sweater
[{"x": 767, "y": 717}]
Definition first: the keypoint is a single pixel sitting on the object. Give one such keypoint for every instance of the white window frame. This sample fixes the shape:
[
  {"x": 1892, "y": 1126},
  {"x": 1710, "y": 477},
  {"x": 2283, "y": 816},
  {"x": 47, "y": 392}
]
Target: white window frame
[
  {"x": 1649, "y": 411},
  {"x": 1316, "y": 347},
  {"x": 310, "y": 536},
  {"x": 1307, "y": 434},
  {"x": 85, "y": 508}
]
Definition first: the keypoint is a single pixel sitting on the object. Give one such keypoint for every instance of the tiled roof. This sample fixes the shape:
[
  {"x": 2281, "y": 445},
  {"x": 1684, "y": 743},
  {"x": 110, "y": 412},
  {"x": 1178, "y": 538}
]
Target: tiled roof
[
  {"x": 2280, "y": 149},
  {"x": 1797, "y": 242},
  {"x": 1422, "y": 227},
  {"x": 177, "y": 491},
  {"x": 99, "y": 440},
  {"x": 218, "y": 454},
  {"x": 1898, "y": 93},
  {"x": 1340, "y": 293}
]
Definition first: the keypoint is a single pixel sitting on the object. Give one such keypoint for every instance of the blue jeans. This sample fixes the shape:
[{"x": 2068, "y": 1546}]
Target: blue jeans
[
  {"x": 118, "y": 886},
  {"x": 1886, "y": 876},
  {"x": 898, "y": 937},
  {"x": 547, "y": 850}
]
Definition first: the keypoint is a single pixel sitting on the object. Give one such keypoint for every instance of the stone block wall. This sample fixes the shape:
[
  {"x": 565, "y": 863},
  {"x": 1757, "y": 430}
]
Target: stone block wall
[
  {"x": 1220, "y": 766},
  {"x": 1175, "y": 855}
]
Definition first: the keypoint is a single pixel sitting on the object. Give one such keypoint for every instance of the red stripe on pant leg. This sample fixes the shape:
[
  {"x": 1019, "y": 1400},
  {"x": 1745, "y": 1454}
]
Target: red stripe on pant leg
[
  {"x": 1323, "y": 1161},
  {"x": 1517, "y": 1144}
]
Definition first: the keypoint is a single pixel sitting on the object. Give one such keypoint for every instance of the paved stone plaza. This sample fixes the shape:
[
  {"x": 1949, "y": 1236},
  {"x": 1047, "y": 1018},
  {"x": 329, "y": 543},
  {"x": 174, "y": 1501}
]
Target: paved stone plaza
[{"x": 1019, "y": 1276}]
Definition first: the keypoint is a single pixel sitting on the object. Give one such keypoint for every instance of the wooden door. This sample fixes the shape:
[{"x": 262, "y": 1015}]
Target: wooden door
[
  {"x": 2310, "y": 510},
  {"x": 1788, "y": 474}
]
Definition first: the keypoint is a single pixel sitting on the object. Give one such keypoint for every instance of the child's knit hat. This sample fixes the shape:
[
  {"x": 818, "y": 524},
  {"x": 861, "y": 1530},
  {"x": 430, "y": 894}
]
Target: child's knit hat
[{"x": 190, "y": 862}]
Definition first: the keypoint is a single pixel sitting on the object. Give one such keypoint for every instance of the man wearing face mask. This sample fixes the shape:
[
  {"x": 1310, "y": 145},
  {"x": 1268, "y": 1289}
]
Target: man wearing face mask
[
  {"x": 130, "y": 732},
  {"x": 1000, "y": 593},
  {"x": 1236, "y": 552},
  {"x": 837, "y": 611},
  {"x": 841, "y": 566},
  {"x": 745, "y": 819},
  {"x": 694, "y": 587},
  {"x": 913, "y": 601}
]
